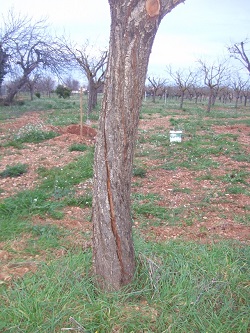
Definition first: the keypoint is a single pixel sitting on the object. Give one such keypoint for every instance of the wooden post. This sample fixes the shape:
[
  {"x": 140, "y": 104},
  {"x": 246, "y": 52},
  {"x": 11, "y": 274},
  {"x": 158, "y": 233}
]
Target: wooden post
[{"x": 81, "y": 113}]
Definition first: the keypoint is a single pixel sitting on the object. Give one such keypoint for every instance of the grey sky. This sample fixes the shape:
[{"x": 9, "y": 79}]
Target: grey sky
[{"x": 196, "y": 29}]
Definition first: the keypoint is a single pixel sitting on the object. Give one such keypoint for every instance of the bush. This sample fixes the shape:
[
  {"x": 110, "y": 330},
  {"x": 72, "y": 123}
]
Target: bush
[
  {"x": 62, "y": 92},
  {"x": 38, "y": 95}
]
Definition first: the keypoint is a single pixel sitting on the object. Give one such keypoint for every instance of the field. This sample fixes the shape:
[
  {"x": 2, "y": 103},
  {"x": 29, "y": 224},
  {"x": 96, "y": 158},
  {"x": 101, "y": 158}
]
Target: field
[{"x": 191, "y": 222}]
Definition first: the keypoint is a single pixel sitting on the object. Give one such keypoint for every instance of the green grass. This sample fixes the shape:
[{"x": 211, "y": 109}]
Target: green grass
[
  {"x": 236, "y": 189},
  {"x": 178, "y": 287},
  {"x": 148, "y": 206},
  {"x": 240, "y": 157},
  {"x": 243, "y": 218},
  {"x": 37, "y": 105},
  {"x": 45, "y": 237},
  {"x": 60, "y": 180},
  {"x": 197, "y": 152},
  {"x": 55, "y": 192},
  {"x": 79, "y": 201}
]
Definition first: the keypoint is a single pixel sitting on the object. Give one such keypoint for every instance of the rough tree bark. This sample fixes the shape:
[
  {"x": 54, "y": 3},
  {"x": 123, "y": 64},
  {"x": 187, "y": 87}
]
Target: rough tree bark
[{"x": 134, "y": 24}]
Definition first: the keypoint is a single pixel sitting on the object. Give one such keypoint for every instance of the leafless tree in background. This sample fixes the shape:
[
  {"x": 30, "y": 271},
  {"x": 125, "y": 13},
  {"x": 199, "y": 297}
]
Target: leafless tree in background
[
  {"x": 157, "y": 85},
  {"x": 238, "y": 85},
  {"x": 238, "y": 51},
  {"x": 246, "y": 93},
  {"x": 91, "y": 62},
  {"x": 3, "y": 65},
  {"x": 46, "y": 85},
  {"x": 184, "y": 79},
  {"x": 73, "y": 84},
  {"x": 32, "y": 84},
  {"x": 214, "y": 76},
  {"x": 30, "y": 48}
]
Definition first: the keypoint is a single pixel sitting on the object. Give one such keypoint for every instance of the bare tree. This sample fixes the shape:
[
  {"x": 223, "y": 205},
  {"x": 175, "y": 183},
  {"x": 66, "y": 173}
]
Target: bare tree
[
  {"x": 157, "y": 85},
  {"x": 239, "y": 52},
  {"x": 46, "y": 85},
  {"x": 134, "y": 24},
  {"x": 32, "y": 84},
  {"x": 73, "y": 84},
  {"x": 183, "y": 79},
  {"x": 238, "y": 85},
  {"x": 213, "y": 77},
  {"x": 29, "y": 48},
  {"x": 91, "y": 62},
  {"x": 197, "y": 91},
  {"x": 3, "y": 65},
  {"x": 246, "y": 94}
]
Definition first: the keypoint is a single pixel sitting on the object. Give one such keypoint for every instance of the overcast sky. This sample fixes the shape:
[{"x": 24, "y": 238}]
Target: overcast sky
[{"x": 198, "y": 29}]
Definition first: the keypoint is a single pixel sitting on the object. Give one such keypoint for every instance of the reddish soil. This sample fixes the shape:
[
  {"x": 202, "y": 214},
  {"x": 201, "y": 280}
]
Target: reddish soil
[{"x": 208, "y": 223}]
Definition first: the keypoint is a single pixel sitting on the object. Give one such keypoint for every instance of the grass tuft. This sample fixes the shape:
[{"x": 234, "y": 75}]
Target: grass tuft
[
  {"x": 78, "y": 147},
  {"x": 14, "y": 170}
]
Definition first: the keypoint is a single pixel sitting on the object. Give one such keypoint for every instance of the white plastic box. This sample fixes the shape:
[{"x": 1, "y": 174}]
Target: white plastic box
[{"x": 175, "y": 136}]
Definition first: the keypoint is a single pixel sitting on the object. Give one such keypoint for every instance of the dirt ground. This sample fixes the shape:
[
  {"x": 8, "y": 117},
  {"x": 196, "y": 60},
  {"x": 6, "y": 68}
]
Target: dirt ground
[{"x": 214, "y": 224}]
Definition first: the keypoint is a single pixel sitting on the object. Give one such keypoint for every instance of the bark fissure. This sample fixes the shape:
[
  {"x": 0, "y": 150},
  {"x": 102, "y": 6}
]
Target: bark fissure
[{"x": 112, "y": 208}]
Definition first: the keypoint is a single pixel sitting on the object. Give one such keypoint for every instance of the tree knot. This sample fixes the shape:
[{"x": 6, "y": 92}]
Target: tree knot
[{"x": 153, "y": 7}]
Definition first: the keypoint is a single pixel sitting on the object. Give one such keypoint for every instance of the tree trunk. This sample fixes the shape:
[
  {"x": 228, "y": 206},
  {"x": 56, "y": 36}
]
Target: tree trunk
[
  {"x": 133, "y": 29},
  {"x": 236, "y": 101},
  {"x": 153, "y": 96},
  {"x": 15, "y": 87},
  {"x": 19, "y": 84},
  {"x": 182, "y": 99},
  {"x": 32, "y": 93},
  {"x": 245, "y": 100},
  {"x": 210, "y": 100},
  {"x": 92, "y": 95}
]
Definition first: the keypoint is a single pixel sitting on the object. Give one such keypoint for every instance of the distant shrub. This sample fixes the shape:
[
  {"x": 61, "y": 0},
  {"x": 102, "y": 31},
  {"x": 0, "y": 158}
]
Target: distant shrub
[
  {"x": 20, "y": 103},
  {"x": 14, "y": 170},
  {"x": 62, "y": 92},
  {"x": 38, "y": 95}
]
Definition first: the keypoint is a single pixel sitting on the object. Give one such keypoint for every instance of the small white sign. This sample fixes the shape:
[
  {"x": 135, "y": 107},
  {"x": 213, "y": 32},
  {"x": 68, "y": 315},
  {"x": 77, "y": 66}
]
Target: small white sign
[{"x": 175, "y": 136}]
